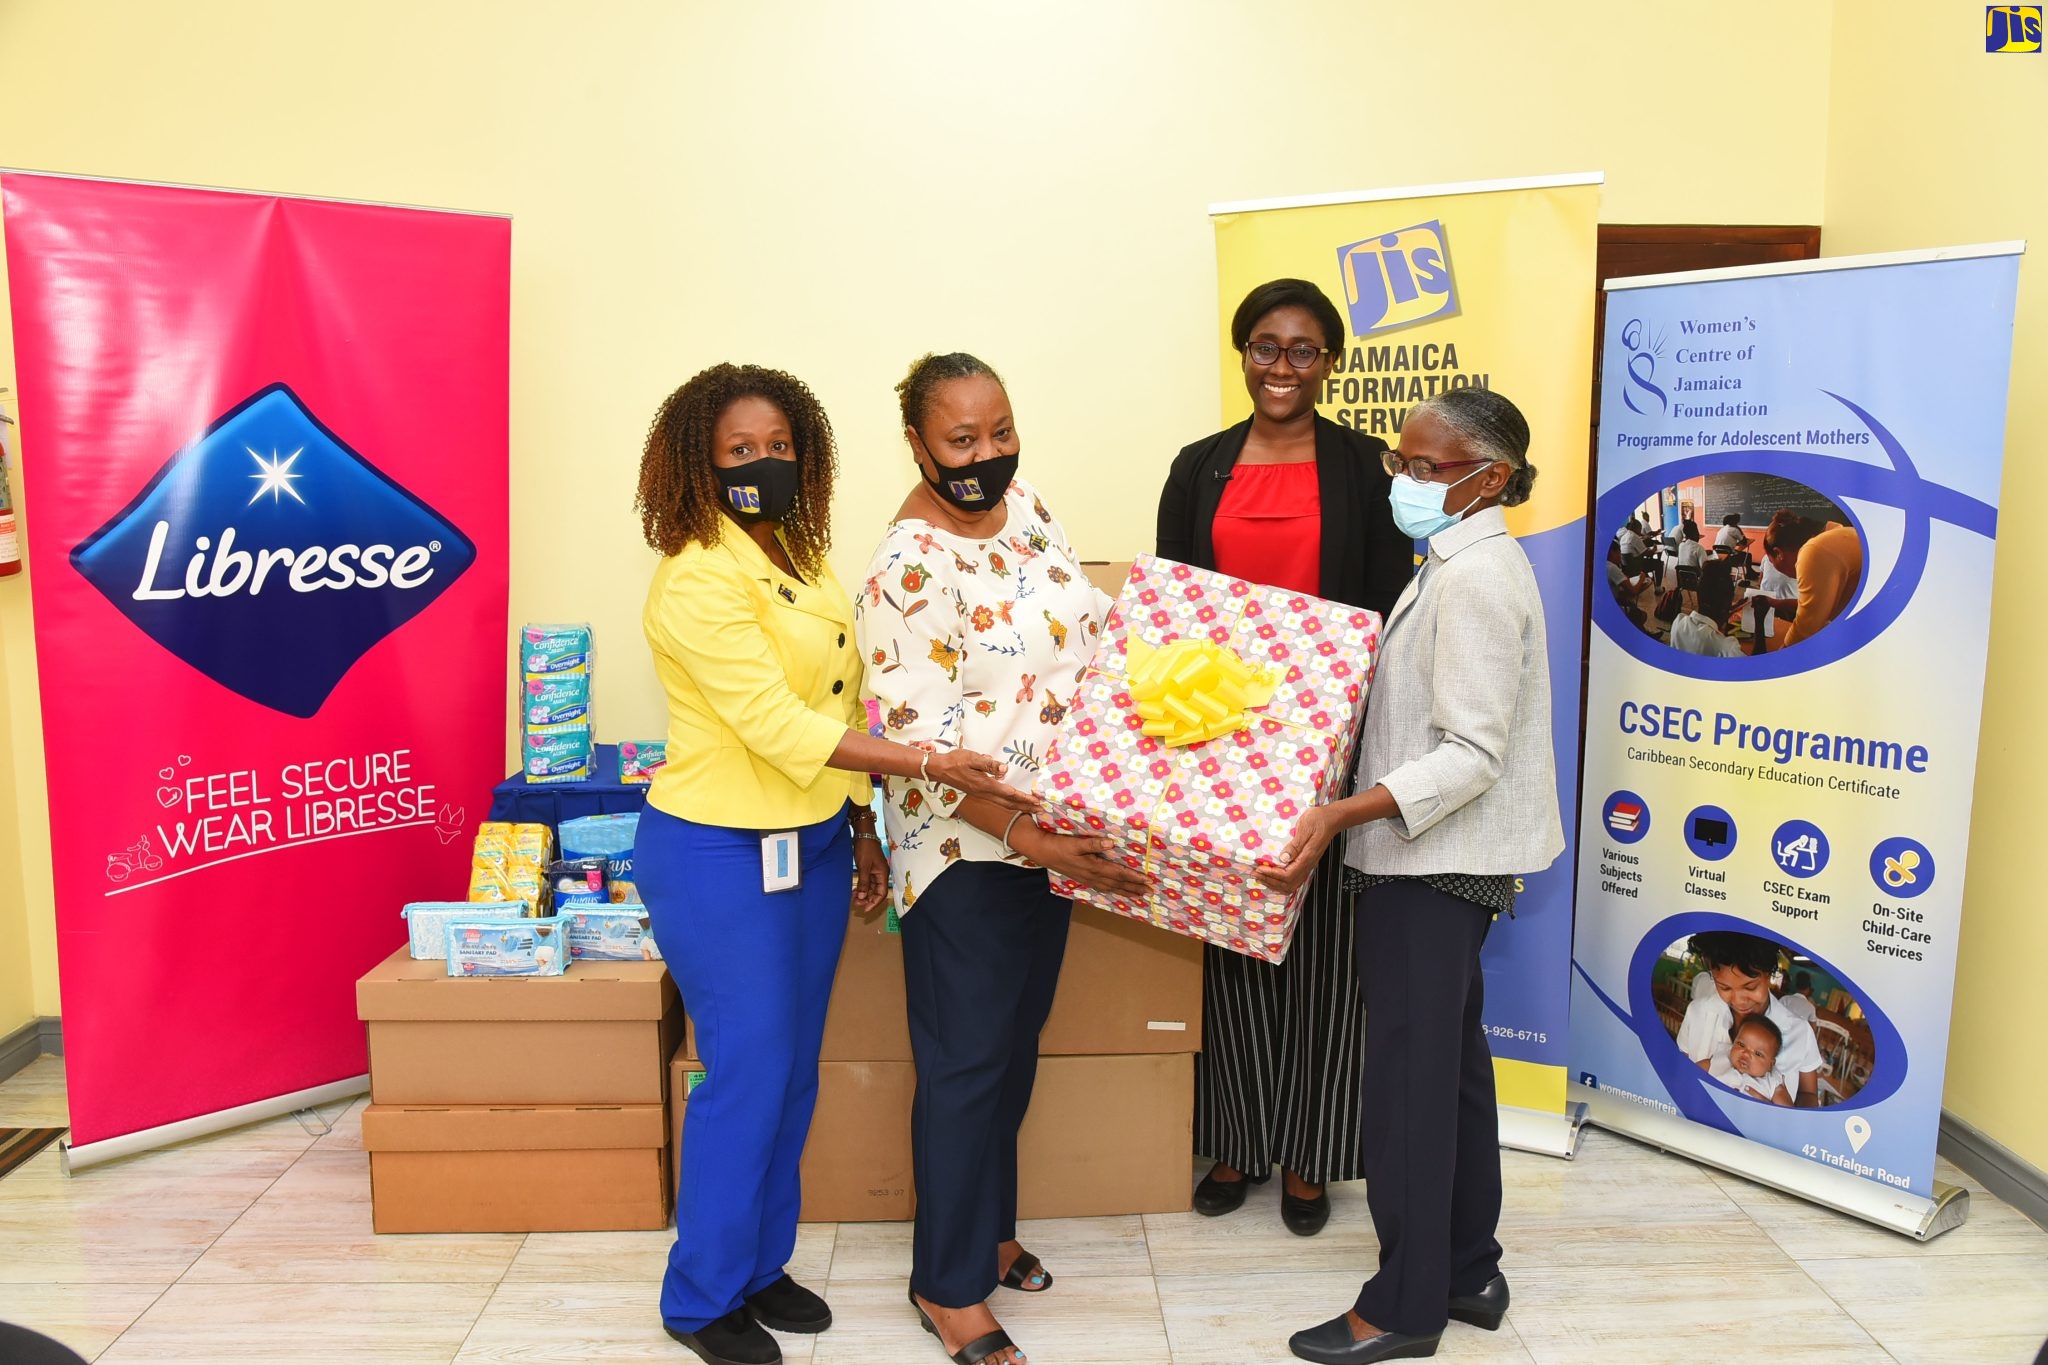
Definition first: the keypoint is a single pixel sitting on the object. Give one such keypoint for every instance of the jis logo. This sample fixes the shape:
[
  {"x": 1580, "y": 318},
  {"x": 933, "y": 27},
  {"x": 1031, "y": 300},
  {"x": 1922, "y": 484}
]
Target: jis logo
[
  {"x": 1398, "y": 279},
  {"x": 2012, "y": 28},
  {"x": 968, "y": 489},
  {"x": 271, "y": 557},
  {"x": 747, "y": 499}
]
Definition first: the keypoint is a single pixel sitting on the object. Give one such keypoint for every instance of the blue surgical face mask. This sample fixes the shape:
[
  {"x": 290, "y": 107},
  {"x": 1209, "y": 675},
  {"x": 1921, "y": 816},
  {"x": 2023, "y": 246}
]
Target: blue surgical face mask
[{"x": 1419, "y": 507}]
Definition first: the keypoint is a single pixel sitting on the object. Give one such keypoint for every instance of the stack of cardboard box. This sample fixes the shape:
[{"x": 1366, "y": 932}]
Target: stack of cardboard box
[
  {"x": 1110, "y": 1129},
  {"x": 518, "y": 1104}
]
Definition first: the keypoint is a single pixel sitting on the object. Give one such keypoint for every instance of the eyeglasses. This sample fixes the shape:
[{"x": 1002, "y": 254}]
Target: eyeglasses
[
  {"x": 1418, "y": 468},
  {"x": 1300, "y": 357}
]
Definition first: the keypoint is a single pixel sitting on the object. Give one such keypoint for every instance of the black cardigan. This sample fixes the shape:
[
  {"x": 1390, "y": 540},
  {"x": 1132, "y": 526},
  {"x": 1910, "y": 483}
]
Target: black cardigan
[{"x": 1366, "y": 560}]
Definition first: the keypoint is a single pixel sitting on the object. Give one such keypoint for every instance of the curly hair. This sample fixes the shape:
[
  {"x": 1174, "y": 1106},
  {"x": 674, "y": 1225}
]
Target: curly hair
[{"x": 679, "y": 499}]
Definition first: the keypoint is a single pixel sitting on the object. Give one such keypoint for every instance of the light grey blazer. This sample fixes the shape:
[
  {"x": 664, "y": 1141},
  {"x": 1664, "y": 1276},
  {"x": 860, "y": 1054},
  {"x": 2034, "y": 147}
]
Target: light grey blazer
[{"x": 1457, "y": 723}]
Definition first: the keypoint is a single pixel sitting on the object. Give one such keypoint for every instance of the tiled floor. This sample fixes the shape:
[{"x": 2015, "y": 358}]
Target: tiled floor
[{"x": 256, "y": 1246}]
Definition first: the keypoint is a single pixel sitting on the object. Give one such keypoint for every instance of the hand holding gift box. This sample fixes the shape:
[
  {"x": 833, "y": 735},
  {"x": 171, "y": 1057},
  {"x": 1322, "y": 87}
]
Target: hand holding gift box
[{"x": 1215, "y": 715}]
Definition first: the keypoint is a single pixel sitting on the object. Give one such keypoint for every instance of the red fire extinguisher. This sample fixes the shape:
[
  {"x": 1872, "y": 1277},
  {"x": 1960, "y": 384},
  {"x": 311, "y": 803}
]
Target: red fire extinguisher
[{"x": 10, "y": 543}]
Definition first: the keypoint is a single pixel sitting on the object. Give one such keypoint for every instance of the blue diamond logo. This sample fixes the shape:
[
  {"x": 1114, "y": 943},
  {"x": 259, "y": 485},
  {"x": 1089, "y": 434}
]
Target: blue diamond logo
[{"x": 270, "y": 556}]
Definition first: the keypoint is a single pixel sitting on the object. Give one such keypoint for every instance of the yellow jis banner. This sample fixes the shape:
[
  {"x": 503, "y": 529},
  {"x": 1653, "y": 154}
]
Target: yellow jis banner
[{"x": 1450, "y": 286}]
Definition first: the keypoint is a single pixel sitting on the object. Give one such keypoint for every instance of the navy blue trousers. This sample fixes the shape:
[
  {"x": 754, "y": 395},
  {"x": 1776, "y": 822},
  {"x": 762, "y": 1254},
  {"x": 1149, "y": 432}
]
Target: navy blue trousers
[
  {"x": 755, "y": 970},
  {"x": 1432, "y": 1134},
  {"x": 981, "y": 959}
]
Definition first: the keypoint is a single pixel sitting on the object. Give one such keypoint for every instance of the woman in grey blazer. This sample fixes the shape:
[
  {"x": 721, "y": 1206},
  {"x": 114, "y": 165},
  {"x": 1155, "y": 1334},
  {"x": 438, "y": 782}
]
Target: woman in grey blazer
[{"x": 1456, "y": 798}]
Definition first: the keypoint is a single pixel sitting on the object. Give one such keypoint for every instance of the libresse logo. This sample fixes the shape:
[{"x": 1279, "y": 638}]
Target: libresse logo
[
  {"x": 2012, "y": 28},
  {"x": 1398, "y": 279},
  {"x": 271, "y": 557}
]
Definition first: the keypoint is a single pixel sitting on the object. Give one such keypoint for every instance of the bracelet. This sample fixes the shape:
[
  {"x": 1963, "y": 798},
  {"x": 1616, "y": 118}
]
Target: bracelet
[
  {"x": 867, "y": 834},
  {"x": 924, "y": 766},
  {"x": 1007, "y": 850}
]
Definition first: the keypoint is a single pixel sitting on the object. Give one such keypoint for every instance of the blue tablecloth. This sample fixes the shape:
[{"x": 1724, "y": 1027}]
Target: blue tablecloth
[{"x": 550, "y": 803}]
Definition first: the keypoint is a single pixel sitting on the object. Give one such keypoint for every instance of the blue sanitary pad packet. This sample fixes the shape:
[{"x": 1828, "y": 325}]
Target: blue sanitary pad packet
[
  {"x": 555, "y": 699},
  {"x": 603, "y": 934},
  {"x": 427, "y": 921},
  {"x": 545, "y": 649},
  {"x": 493, "y": 947}
]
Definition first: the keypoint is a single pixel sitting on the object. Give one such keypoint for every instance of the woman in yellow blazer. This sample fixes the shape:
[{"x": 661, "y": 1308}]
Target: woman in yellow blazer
[{"x": 757, "y": 833}]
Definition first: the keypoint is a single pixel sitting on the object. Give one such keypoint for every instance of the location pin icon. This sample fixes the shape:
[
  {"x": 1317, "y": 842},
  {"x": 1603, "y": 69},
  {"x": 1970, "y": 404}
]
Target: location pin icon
[{"x": 1859, "y": 1131}]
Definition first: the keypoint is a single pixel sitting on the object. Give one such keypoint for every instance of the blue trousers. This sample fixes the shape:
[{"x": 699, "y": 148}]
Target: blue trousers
[
  {"x": 755, "y": 971},
  {"x": 981, "y": 959}
]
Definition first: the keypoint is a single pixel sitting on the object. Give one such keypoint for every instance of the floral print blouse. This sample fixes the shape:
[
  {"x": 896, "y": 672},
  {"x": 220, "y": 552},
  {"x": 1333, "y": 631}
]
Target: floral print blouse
[{"x": 974, "y": 644}]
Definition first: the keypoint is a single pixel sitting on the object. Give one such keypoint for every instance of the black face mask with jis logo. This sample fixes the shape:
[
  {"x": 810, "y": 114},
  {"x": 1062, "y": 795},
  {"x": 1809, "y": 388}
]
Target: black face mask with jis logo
[
  {"x": 759, "y": 490},
  {"x": 974, "y": 487}
]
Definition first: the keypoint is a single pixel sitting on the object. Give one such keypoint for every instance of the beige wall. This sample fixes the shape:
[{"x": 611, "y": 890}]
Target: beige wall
[
  {"x": 837, "y": 188},
  {"x": 1928, "y": 145}
]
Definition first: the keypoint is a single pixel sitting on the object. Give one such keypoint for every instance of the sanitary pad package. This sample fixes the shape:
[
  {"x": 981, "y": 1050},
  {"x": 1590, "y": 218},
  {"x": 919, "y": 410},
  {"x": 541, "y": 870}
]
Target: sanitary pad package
[
  {"x": 609, "y": 837},
  {"x": 550, "y": 649},
  {"x": 427, "y": 921},
  {"x": 638, "y": 758},
  {"x": 578, "y": 881},
  {"x": 500, "y": 947},
  {"x": 610, "y": 934},
  {"x": 558, "y": 753},
  {"x": 509, "y": 863},
  {"x": 555, "y": 699}
]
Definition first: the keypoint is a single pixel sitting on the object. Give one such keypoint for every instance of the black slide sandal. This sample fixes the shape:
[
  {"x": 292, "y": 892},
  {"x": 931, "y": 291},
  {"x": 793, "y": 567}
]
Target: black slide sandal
[
  {"x": 975, "y": 1351},
  {"x": 1021, "y": 1270}
]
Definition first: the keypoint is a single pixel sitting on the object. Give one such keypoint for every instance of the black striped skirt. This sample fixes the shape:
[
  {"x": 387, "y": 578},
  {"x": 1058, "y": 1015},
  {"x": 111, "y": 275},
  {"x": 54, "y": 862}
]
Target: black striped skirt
[{"x": 1278, "y": 1080}]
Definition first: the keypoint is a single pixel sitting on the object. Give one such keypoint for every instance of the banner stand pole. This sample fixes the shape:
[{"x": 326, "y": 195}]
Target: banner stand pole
[
  {"x": 78, "y": 1158},
  {"x": 1545, "y": 1134},
  {"x": 1920, "y": 1218}
]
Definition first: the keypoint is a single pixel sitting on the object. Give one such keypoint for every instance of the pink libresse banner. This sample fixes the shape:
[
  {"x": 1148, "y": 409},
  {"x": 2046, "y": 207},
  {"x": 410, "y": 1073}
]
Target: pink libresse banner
[{"x": 264, "y": 449}]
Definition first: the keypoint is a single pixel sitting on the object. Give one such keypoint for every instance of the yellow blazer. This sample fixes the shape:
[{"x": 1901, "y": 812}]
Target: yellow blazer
[{"x": 763, "y": 679}]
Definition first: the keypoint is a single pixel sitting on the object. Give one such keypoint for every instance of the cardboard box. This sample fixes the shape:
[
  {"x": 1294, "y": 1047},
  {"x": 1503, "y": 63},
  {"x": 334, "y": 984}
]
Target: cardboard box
[
  {"x": 1125, "y": 987},
  {"x": 599, "y": 1034},
  {"x": 1107, "y": 574},
  {"x": 1105, "y": 1136},
  {"x": 1108, "y": 1136},
  {"x": 856, "y": 1165},
  {"x": 1197, "y": 818},
  {"x": 531, "y": 1169}
]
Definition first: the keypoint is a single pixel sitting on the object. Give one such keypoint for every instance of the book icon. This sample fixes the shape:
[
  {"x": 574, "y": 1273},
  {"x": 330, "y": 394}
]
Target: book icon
[{"x": 1624, "y": 817}]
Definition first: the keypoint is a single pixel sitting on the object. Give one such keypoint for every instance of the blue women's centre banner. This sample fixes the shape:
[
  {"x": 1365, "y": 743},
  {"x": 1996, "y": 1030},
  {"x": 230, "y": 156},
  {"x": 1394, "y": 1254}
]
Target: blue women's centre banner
[{"x": 1783, "y": 705}]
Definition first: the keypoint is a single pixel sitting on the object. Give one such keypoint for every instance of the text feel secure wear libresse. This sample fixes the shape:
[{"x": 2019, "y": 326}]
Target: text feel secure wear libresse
[{"x": 310, "y": 799}]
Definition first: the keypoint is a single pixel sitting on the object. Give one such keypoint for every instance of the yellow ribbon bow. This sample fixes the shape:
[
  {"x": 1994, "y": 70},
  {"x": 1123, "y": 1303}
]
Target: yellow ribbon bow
[{"x": 1194, "y": 690}]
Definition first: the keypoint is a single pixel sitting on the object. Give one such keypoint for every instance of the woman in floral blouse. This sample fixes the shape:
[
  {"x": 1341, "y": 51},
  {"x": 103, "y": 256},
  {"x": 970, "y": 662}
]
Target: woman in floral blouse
[{"x": 975, "y": 623}]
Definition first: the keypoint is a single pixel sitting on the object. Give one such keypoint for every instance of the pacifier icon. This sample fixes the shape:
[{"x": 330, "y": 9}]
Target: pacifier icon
[
  {"x": 1858, "y": 1129},
  {"x": 1902, "y": 870}
]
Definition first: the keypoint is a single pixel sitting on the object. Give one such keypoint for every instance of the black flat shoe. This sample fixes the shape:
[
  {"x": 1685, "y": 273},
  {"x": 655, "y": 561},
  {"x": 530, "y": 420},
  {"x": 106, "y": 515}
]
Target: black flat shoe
[
  {"x": 1214, "y": 1198},
  {"x": 974, "y": 1352},
  {"x": 1331, "y": 1343},
  {"x": 1305, "y": 1217},
  {"x": 1487, "y": 1308},
  {"x": 735, "y": 1339},
  {"x": 787, "y": 1306}
]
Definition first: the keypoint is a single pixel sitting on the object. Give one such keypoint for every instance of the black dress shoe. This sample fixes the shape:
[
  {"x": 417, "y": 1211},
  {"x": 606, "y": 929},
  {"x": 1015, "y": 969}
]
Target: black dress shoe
[
  {"x": 787, "y": 1306},
  {"x": 1305, "y": 1217},
  {"x": 735, "y": 1339},
  {"x": 1332, "y": 1343},
  {"x": 1214, "y": 1198},
  {"x": 1485, "y": 1309}
]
